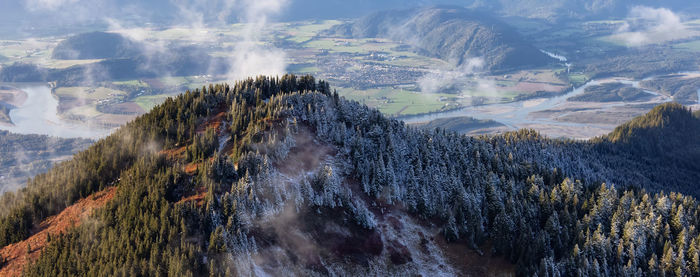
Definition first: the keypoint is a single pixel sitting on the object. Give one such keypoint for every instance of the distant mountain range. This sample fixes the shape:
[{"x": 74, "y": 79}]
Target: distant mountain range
[
  {"x": 453, "y": 34},
  {"x": 168, "y": 12},
  {"x": 552, "y": 10}
]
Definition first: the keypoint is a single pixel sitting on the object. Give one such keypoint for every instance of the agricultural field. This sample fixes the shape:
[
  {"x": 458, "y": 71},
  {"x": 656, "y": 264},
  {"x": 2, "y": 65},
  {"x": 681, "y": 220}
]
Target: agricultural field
[
  {"x": 89, "y": 93},
  {"x": 147, "y": 102},
  {"x": 398, "y": 101},
  {"x": 302, "y": 32}
]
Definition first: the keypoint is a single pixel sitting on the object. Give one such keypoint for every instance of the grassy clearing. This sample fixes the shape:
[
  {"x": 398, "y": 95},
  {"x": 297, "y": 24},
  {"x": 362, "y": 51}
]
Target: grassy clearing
[
  {"x": 318, "y": 26},
  {"x": 90, "y": 93},
  {"x": 578, "y": 79},
  {"x": 305, "y": 31},
  {"x": 174, "y": 81},
  {"x": 393, "y": 101},
  {"x": 59, "y": 64},
  {"x": 30, "y": 50},
  {"x": 147, "y": 102}
]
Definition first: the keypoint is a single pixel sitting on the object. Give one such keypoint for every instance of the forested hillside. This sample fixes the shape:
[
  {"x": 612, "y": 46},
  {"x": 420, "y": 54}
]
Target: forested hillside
[
  {"x": 665, "y": 141},
  {"x": 23, "y": 156},
  {"x": 282, "y": 176},
  {"x": 96, "y": 45}
]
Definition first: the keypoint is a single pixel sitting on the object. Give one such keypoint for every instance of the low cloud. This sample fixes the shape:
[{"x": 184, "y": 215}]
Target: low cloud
[
  {"x": 250, "y": 57},
  {"x": 439, "y": 81},
  {"x": 36, "y": 5},
  {"x": 646, "y": 25}
]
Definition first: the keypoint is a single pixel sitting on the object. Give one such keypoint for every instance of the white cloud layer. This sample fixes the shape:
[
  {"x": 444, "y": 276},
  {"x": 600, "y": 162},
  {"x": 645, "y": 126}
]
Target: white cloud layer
[
  {"x": 647, "y": 25},
  {"x": 249, "y": 57},
  {"x": 37, "y": 5},
  {"x": 440, "y": 80}
]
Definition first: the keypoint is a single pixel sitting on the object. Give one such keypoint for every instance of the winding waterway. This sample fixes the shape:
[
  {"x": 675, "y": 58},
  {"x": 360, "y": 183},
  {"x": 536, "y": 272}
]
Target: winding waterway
[
  {"x": 519, "y": 113},
  {"x": 39, "y": 115}
]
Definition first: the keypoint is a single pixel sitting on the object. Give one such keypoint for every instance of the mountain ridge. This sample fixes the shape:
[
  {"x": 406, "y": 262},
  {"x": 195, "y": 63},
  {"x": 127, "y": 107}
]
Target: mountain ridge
[{"x": 381, "y": 198}]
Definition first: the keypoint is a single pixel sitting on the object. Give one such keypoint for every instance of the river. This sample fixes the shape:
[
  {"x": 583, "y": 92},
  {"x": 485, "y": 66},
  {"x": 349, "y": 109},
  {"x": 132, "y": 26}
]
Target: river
[
  {"x": 519, "y": 113},
  {"x": 39, "y": 115}
]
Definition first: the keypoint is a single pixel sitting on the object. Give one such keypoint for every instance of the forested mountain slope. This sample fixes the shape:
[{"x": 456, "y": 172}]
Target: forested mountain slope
[
  {"x": 280, "y": 176},
  {"x": 450, "y": 33},
  {"x": 669, "y": 133},
  {"x": 96, "y": 45},
  {"x": 23, "y": 156}
]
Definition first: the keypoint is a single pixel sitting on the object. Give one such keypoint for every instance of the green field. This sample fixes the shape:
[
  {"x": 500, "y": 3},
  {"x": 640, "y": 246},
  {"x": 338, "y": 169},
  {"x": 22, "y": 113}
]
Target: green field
[
  {"x": 147, "y": 102},
  {"x": 66, "y": 63},
  {"x": 578, "y": 79},
  {"x": 174, "y": 81},
  {"x": 89, "y": 93},
  {"x": 302, "y": 32},
  {"x": 336, "y": 45},
  {"x": 393, "y": 101}
]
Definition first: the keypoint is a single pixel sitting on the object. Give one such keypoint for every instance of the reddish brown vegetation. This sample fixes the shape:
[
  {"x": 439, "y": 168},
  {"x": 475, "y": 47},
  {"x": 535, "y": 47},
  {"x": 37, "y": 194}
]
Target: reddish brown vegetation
[
  {"x": 470, "y": 263},
  {"x": 174, "y": 154},
  {"x": 17, "y": 254},
  {"x": 197, "y": 197},
  {"x": 215, "y": 122},
  {"x": 191, "y": 168}
]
